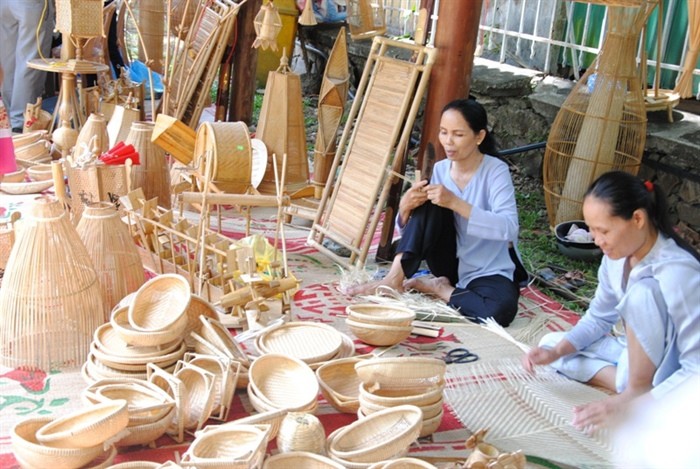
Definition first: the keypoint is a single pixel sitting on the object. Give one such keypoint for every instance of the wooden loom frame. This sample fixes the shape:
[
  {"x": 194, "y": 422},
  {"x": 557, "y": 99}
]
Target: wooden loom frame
[{"x": 379, "y": 126}]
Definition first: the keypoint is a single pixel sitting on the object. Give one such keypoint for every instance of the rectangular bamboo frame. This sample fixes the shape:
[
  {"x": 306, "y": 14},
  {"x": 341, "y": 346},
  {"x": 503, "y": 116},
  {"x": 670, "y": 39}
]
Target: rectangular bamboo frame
[{"x": 379, "y": 126}]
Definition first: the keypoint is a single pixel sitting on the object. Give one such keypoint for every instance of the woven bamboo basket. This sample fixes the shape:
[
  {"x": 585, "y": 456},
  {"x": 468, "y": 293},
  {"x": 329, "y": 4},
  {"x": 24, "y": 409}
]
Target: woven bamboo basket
[
  {"x": 145, "y": 405},
  {"x": 225, "y": 372},
  {"x": 215, "y": 332},
  {"x": 28, "y": 449},
  {"x": 174, "y": 137},
  {"x": 402, "y": 373},
  {"x": 34, "y": 151},
  {"x": 301, "y": 432},
  {"x": 160, "y": 303},
  {"x": 117, "y": 262},
  {"x": 378, "y": 334},
  {"x": 20, "y": 188},
  {"x": 601, "y": 129},
  {"x": 309, "y": 342},
  {"x": 175, "y": 388},
  {"x": 392, "y": 397},
  {"x": 430, "y": 425},
  {"x": 383, "y": 435},
  {"x": 152, "y": 174},
  {"x": 340, "y": 383},
  {"x": 403, "y": 463},
  {"x": 227, "y": 145},
  {"x": 93, "y": 135},
  {"x": 240, "y": 446},
  {"x": 199, "y": 395},
  {"x": 271, "y": 418},
  {"x": 146, "y": 433},
  {"x": 94, "y": 183},
  {"x": 120, "y": 324},
  {"x": 109, "y": 342},
  {"x": 87, "y": 427},
  {"x": 94, "y": 370},
  {"x": 50, "y": 302},
  {"x": 40, "y": 172},
  {"x": 380, "y": 314},
  {"x": 300, "y": 459},
  {"x": 430, "y": 411},
  {"x": 20, "y": 140},
  {"x": 15, "y": 176},
  {"x": 283, "y": 382}
]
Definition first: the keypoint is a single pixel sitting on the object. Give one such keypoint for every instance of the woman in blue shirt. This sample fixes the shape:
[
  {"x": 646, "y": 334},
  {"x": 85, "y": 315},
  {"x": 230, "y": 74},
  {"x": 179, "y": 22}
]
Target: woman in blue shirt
[{"x": 464, "y": 223}]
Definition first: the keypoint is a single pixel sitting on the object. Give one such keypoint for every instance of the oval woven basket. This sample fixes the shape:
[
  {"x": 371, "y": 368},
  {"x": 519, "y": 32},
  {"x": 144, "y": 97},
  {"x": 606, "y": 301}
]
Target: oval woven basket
[
  {"x": 403, "y": 463},
  {"x": 307, "y": 341},
  {"x": 380, "y": 314},
  {"x": 272, "y": 418},
  {"x": 225, "y": 374},
  {"x": 225, "y": 446},
  {"x": 283, "y": 382},
  {"x": 121, "y": 325},
  {"x": 199, "y": 398},
  {"x": 145, "y": 406},
  {"x": 87, "y": 427},
  {"x": 40, "y": 172},
  {"x": 300, "y": 459},
  {"x": 430, "y": 425},
  {"x": 110, "y": 342},
  {"x": 378, "y": 334},
  {"x": 15, "y": 176},
  {"x": 392, "y": 397},
  {"x": 27, "y": 448},
  {"x": 159, "y": 303},
  {"x": 383, "y": 435},
  {"x": 340, "y": 383},
  {"x": 401, "y": 372},
  {"x": 145, "y": 433},
  {"x": 20, "y": 188}
]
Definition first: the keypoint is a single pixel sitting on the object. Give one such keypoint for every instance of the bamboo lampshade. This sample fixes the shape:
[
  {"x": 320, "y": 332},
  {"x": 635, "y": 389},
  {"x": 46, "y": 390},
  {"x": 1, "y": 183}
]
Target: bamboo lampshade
[
  {"x": 79, "y": 18},
  {"x": 366, "y": 18},
  {"x": 117, "y": 262},
  {"x": 50, "y": 300},
  {"x": 602, "y": 124},
  {"x": 281, "y": 128},
  {"x": 152, "y": 174}
]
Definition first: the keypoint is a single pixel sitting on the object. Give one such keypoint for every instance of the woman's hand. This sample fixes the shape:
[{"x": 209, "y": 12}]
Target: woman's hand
[
  {"x": 441, "y": 196},
  {"x": 538, "y": 356},
  {"x": 412, "y": 199}
]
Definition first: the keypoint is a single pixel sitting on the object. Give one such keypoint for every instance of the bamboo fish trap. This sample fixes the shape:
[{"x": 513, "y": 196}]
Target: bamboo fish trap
[
  {"x": 50, "y": 303},
  {"x": 603, "y": 128},
  {"x": 117, "y": 262},
  {"x": 152, "y": 174}
]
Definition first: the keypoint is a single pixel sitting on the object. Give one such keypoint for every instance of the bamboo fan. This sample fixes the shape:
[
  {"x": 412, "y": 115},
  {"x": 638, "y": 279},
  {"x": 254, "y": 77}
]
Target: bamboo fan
[
  {"x": 602, "y": 129},
  {"x": 366, "y": 18},
  {"x": 50, "y": 303},
  {"x": 307, "y": 17},
  {"x": 684, "y": 86},
  {"x": 281, "y": 128},
  {"x": 331, "y": 103},
  {"x": 113, "y": 252},
  {"x": 152, "y": 174},
  {"x": 268, "y": 25}
]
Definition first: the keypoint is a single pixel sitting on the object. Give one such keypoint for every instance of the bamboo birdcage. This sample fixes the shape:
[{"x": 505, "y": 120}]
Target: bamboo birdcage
[
  {"x": 152, "y": 174},
  {"x": 366, "y": 18},
  {"x": 50, "y": 303},
  {"x": 113, "y": 252},
  {"x": 281, "y": 128},
  {"x": 602, "y": 124}
]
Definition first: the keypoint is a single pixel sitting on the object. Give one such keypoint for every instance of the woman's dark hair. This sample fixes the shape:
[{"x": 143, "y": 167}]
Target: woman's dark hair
[
  {"x": 475, "y": 115},
  {"x": 625, "y": 193}
]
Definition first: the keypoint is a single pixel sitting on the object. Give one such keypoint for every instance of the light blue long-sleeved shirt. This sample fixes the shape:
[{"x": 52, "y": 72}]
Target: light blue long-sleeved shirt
[{"x": 660, "y": 301}]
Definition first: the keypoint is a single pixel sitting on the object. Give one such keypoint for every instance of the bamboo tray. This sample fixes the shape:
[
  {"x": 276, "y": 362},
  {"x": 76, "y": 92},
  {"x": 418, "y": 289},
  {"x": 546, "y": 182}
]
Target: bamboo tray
[
  {"x": 283, "y": 382},
  {"x": 309, "y": 342},
  {"x": 108, "y": 342},
  {"x": 21, "y": 188},
  {"x": 159, "y": 303}
]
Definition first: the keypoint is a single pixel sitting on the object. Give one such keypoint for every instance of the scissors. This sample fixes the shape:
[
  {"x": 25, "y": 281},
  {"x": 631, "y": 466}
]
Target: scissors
[{"x": 460, "y": 355}]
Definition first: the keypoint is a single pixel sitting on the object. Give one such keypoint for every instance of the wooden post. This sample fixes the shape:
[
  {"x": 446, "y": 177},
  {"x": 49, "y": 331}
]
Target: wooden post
[
  {"x": 245, "y": 61},
  {"x": 455, "y": 40}
]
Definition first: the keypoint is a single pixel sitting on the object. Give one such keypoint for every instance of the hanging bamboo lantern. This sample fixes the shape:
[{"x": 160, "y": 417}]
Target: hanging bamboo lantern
[
  {"x": 50, "y": 300},
  {"x": 268, "y": 25},
  {"x": 152, "y": 174},
  {"x": 366, "y": 18},
  {"x": 281, "y": 128},
  {"x": 602, "y": 124},
  {"x": 113, "y": 252}
]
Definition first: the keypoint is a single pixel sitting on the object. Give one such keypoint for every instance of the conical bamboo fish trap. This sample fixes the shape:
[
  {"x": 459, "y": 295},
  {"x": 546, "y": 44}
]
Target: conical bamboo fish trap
[
  {"x": 50, "y": 300},
  {"x": 281, "y": 128},
  {"x": 228, "y": 146},
  {"x": 152, "y": 174},
  {"x": 600, "y": 129},
  {"x": 331, "y": 103},
  {"x": 113, "y": 252}
]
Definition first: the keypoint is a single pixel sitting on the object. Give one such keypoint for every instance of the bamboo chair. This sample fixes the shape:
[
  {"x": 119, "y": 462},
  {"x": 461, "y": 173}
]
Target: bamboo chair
[{"x": 378, "y": 127}]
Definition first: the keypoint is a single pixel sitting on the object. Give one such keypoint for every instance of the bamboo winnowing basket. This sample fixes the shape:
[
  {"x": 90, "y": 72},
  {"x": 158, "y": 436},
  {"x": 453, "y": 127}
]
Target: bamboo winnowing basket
[
  {"x": 228, "y": 146},
  {"x": 378, "y": 126},
  {"x": 113, "y": 252},
  {"x": 331, "y": 103},
  {"x": 50, "y": 300},
  {"x": 601, "y": 128},
  {"x": 281, "y": 128},
  {"x": 152, "y": 174}
]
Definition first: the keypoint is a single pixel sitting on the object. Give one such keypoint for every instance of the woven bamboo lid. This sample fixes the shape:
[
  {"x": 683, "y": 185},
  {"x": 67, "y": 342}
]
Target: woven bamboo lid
[{"x": 307, "y": 341}]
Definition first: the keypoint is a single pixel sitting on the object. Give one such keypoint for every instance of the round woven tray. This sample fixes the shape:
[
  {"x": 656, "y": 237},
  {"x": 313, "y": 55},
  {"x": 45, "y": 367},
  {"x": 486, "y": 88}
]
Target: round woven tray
[
  {"x": 307, "y": 341},
  {"x": 283, "y": 382},
  {"x": 138, "y": 364},
  {"x": 159, "y": 303},
  {"x": 87, "y": 427},
  {"x": 401, "y": 373},
  {"x": 110, "y": 342}
]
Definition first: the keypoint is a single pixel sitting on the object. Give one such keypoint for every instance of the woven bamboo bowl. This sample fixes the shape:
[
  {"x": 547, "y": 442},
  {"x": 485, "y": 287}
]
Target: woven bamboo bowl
[
  {"x": 379, "y": 335},
  {"x": 145, "y": 433},
  {"x": 160, "y": 303},
  {"x": 87, "y": 427},
  {"x": 272, "y": 418},
  {"x": 223, "y": 447},
  {"x": 40, "y": 172},
  {"x": 198, "y": 395},
  {"x": 225, "y": 374},
  {"x": 283, "y": 382},
  {"x": 264, "y": 407},
  {"x": 393, "y": 397},
  {"x": 403, "y": 463},
  {"x": 300, "y": 459},
  {"x": 430, "y": 425},
  {"x": 121, "y": 325},
  {"x": 15, "y": 176},
  {"x": 32, "y": 453},
  {"x": 110, "y": 342},
  {"x": 380, "y": 314},
  {"x": 402, "y": 373},
  {"x": 429, "y": 411},
  {"x": 390, "y": 433},
  {"x": 144, "y": 405},
  {"x": 340, "y": 384},
  {"x": 21, "y": 140},
  {"x": 137, "y": 364}
]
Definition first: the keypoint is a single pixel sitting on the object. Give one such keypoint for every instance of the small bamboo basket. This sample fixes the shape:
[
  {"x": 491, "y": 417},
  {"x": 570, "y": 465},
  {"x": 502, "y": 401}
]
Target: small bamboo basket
[
  {"x": 384, "y": 315},
  {"x": 283, "y": 382},
  {"x": 402, "y": 373},
  {"x": 340, "y": 384},
  {"x": 225, "y": 372},
  {"x": 378, "y": 334},
  {"x": 160, "y": 303},
  {"x": 120, "y": 324},
  {"x": 199, "y": 395},
  {"x": 233, "y": 447},
  {"x": 301, "y": 432},
  {"x": 152, "y": 174}
]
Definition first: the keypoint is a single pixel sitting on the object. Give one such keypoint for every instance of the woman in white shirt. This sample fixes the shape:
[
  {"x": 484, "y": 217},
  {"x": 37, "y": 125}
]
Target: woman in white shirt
[
  {"x": 464, "y": 223},
  {"x": 649, "y": 278}
]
